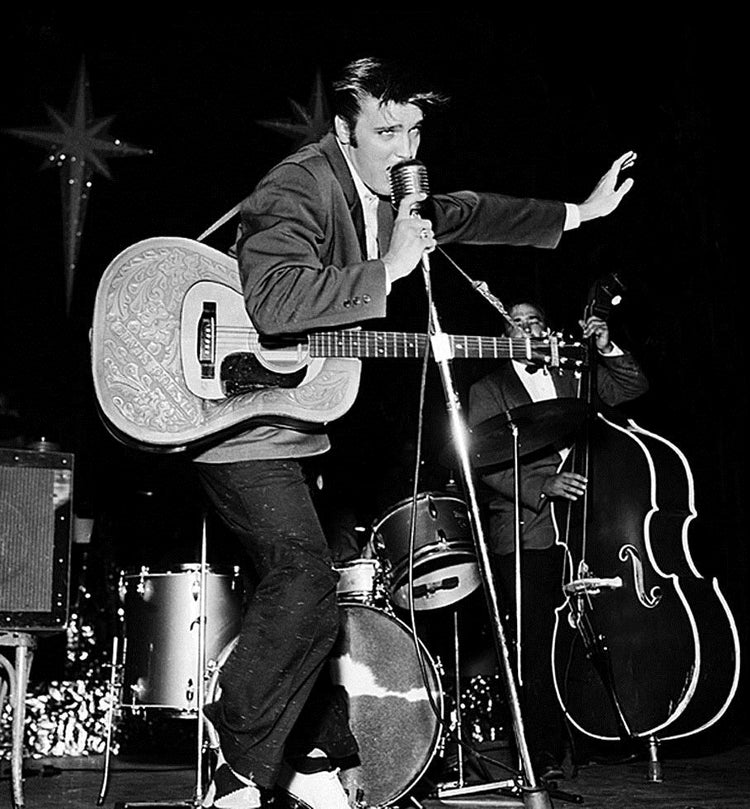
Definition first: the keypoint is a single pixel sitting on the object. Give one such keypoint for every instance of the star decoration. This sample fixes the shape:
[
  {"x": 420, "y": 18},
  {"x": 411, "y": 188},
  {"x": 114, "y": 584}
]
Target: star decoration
[
  {"x": 78, "y": 144},
  {"x": 309, "y": 123}
]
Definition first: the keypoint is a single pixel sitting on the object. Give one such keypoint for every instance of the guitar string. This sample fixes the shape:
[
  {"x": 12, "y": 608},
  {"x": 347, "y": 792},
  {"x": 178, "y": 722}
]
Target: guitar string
[{"x": 243, "y": 337}]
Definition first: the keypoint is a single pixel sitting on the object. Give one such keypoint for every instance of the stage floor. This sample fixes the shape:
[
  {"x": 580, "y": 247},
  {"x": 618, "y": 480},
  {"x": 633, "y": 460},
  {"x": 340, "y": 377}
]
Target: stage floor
[{"x": 717, "y": 778}]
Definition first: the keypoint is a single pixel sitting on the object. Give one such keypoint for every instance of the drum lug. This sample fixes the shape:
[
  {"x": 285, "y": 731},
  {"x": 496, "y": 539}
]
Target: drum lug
[
  {"x": 359, "y": 800},
  {"x": 212, "y": 666},
  {"x": 142, "y": 580},
  {"x": 136, "y": 692}
]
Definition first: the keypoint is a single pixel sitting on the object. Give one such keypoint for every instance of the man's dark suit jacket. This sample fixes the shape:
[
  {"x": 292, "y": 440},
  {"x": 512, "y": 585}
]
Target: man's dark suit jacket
[
  {"x": 619, "y": 379},
  {"x": 302, "y": 251},
  {"x": 303, "y": 260}
]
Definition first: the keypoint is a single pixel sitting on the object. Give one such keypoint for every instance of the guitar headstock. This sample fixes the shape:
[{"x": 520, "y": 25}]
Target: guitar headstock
[{"x": 556, "y": 350}]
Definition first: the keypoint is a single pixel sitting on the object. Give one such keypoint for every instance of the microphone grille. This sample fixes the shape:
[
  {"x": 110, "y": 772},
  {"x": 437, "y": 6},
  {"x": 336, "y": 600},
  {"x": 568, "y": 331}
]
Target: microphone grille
[{"x": 408, "y": 177}]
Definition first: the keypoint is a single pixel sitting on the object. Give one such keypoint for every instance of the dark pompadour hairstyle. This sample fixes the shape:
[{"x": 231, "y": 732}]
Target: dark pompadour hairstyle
[{"x": 386, "y": 80}]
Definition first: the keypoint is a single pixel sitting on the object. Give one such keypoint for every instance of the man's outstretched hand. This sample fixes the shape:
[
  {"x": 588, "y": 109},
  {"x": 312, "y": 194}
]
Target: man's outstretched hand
[{"x": 607, "y": 196}]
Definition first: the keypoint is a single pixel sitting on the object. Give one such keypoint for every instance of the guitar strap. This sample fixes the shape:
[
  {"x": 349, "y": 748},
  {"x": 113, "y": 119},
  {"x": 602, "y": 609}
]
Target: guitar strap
[
  {"x": 219, "y": 222},
  {"x": 385, "y": 224}
]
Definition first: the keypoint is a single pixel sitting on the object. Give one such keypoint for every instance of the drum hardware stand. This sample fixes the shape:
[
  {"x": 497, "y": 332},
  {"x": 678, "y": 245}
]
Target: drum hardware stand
[
  {"x": 459, "y": 717},
  {"x": 534, "y": 794},
  {"x": 115, "y": 690},
  {"x": 517, "y": 545},
  {"x": 460, "y": 787},
  {"x": 554, "y": 792},
  {"x": 201, "y": 674}
]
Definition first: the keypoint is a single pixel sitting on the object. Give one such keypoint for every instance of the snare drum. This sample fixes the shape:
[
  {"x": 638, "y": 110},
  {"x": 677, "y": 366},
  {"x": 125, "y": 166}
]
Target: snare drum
[
  {"x": 361, "y": 581},
  {"x": 161, "y": 615},
  {"x": 445, "y": 568}
]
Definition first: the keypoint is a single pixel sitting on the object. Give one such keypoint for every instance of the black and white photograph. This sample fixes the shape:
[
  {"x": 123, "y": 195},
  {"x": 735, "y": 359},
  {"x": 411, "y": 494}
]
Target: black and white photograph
[{"x": 371, "y": 414}]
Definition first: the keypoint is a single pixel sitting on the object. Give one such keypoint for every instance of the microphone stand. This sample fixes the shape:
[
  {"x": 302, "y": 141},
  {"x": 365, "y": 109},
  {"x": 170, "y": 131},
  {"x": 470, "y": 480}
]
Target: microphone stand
[{"x": 535, "y": 795}]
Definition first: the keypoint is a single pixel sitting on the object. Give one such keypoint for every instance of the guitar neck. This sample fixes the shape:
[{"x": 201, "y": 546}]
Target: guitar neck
[{"x": 358, "y": 343}]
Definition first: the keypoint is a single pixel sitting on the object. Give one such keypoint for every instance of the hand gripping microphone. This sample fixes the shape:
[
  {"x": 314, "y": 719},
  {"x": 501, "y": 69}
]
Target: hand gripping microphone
[{"x": 408, "y": 177}]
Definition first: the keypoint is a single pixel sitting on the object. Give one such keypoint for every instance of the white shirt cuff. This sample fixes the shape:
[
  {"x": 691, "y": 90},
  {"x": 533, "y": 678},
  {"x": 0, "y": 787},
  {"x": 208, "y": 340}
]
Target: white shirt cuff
[
  {"x": 572, "y": 216},
  {"x": 615, "y": 352}
]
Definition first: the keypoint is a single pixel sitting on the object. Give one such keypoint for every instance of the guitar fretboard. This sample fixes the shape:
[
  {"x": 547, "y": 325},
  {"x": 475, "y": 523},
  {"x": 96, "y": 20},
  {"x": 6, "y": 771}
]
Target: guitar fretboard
[{"x": 358, "y": 343}]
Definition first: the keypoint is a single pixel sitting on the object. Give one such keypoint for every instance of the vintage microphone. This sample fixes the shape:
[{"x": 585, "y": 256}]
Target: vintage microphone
[
  {"x": 410, "y": 177},
  {"x": 407, "y": 177}
]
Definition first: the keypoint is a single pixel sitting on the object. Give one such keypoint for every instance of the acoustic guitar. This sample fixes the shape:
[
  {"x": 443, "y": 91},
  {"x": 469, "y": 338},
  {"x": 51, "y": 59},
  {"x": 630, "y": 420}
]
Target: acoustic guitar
[{"x": 177, "y": 362}]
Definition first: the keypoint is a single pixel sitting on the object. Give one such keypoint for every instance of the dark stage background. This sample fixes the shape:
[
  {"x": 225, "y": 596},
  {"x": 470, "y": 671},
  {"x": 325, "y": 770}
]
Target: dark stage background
[{"x": 538, "y": 109}]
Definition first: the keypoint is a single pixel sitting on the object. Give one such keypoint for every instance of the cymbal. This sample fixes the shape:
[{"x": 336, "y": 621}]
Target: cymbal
[{"x": 540, "y": 424}]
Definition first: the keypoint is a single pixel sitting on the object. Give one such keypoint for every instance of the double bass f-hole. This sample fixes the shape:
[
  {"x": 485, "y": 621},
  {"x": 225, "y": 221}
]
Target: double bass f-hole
[{"x": 653, "y": 597}]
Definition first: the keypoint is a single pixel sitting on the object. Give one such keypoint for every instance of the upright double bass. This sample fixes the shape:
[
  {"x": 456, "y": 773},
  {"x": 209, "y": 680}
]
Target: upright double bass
[{"x": 644, "y": 646}]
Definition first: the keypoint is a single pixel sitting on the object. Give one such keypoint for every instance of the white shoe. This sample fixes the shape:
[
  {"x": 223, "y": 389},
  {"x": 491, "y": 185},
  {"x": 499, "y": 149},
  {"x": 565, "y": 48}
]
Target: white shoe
[
  {"x": 230, "y": 790},
  {"x": 317, "y": 790}
]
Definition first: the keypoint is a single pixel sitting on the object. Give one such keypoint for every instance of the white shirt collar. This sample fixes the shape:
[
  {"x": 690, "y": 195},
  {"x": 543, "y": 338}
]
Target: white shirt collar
[
  {"x": 363, "y": 191},
  {"x": 369, "y": 202}
]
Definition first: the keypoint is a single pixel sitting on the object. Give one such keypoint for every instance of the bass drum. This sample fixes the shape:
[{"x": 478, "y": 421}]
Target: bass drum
[
  {"x": 161, "y": 615},
  {"x": 390, "y": 711}
]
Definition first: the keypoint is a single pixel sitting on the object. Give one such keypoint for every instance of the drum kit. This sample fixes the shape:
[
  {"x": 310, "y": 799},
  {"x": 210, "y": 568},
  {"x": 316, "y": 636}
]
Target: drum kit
[
  {"x": 396, "y": 699},
  {"x": 180, "y": 626}
]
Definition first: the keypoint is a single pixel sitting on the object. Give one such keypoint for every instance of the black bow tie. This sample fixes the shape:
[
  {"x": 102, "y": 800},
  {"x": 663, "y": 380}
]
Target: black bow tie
[{"x": 532, "y": 369}]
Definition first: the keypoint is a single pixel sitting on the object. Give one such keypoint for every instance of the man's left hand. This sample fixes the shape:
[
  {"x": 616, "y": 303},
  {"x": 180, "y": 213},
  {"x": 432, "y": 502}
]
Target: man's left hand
[
  {"x": 598, "y": 328},
  {"x": 606, "y": 196}
]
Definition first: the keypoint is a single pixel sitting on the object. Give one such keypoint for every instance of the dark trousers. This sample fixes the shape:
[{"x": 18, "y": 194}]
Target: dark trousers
[
  {"x": 276, "y": 700},
  {"x": 541, "y": 593}
]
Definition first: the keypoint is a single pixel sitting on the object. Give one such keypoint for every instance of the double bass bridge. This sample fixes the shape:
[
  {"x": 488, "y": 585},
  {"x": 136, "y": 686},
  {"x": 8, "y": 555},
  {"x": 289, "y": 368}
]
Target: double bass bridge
[{"x": 591, "y": 585}]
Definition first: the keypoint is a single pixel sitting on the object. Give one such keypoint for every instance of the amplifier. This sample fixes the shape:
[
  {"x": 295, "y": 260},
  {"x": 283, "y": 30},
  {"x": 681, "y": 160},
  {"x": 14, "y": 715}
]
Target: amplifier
[{"x": 36, "y": 517}]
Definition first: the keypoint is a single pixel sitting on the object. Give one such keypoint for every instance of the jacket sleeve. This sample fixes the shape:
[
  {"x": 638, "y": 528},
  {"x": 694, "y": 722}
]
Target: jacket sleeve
[
  {"x": 471, "y": 218},
  {"x": 620, "y": 379},
  {"x": 288, "y": 225},
  {"x": 532, "y": 477}
]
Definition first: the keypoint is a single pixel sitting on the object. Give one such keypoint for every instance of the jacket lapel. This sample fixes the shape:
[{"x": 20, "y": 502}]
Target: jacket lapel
[
  {"x": 332, "y": 152},
  {"x": 565, "y": 384}
]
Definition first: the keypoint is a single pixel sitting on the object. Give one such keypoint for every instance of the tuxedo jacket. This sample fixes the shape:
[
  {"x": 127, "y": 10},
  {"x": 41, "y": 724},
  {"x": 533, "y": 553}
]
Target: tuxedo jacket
[
  {"x": 303, "y": 260},
  {"x": 619, "y": 379}
]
